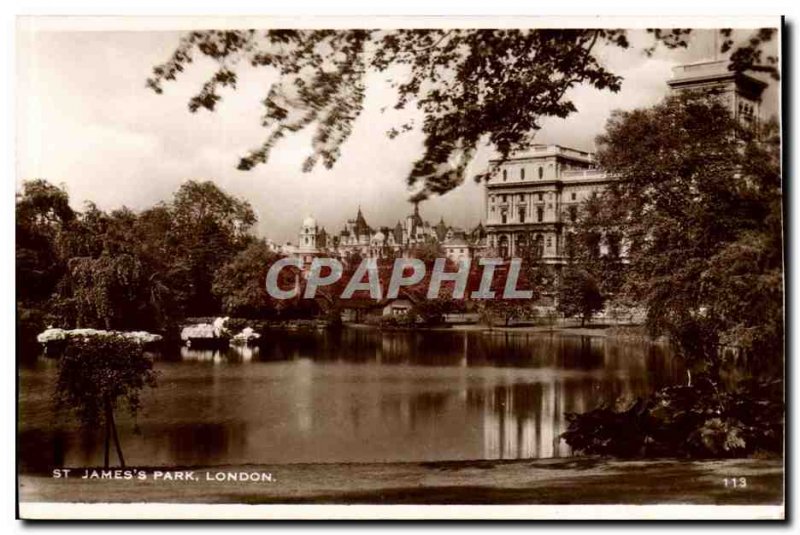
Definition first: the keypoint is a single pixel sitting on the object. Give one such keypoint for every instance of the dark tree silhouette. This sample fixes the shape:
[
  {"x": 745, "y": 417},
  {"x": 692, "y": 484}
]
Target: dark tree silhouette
[{"x": 579, "y": 295}]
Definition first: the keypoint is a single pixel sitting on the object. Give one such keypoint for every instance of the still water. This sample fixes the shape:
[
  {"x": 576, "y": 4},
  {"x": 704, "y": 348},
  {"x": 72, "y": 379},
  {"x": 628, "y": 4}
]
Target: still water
[{"x": 354, "y": 396}]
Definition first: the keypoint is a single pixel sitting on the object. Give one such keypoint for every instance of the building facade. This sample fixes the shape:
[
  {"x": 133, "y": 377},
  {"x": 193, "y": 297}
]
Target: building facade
[
  {"x": 532, "y": 198},
  {"x": 740, "y": 92}
]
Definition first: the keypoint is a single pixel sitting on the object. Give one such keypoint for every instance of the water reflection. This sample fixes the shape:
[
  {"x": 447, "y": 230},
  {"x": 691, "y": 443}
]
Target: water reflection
[
  {"x": 356, "y": 396},
  {"x": 236, "y": 353},
  {"x": 525, "y": 420},
  {"x": 450, "y": 349}
]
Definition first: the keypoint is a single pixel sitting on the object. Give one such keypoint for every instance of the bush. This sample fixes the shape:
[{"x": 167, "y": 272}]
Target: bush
[
  {"x": 96, "y": 369},
  {"x": 393, "y": 322},
  {"x": 693, "y": 421},
  {"x": 95, "y": 373}
]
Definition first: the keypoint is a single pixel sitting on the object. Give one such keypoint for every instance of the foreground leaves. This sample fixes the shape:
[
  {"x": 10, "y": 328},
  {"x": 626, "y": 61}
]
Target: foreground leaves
[
  {"x": 472, "y": 86},
  {"x": 698, "y": 421}
]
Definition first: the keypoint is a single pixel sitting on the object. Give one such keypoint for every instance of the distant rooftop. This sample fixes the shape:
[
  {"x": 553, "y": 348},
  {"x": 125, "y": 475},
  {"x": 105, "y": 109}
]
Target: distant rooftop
[
  {"x": 709, "y": 71},
  {"x": 540, "y": 150},
  {"x": 701, "y": 68}
]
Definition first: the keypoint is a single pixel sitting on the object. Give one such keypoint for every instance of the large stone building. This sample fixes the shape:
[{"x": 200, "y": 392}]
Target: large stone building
[
  {"x": 359, "y": 238},
  {"x": 533, "y": 198},
  {"x": 740, "y": 92}
]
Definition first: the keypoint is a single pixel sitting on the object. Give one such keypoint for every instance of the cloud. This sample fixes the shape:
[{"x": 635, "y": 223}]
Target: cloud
[{"x": 86, "y": 119}]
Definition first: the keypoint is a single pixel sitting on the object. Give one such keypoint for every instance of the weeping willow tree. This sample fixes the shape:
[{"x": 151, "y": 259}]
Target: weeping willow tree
[{"x": 101, "y": 286}]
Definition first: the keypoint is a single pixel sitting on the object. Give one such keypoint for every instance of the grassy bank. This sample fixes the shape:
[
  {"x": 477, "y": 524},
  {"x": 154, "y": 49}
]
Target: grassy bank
[{"x": 548, "y": 481}]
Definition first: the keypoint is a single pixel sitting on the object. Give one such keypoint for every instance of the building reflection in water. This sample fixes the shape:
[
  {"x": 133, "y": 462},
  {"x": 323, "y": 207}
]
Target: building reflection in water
[{"x": 524, "y": 421}]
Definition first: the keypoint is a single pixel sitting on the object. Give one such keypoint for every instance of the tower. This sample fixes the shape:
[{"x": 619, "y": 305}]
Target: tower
[
  {"x": 308, "y": 234},
  {"x": 739, "y": 91}
]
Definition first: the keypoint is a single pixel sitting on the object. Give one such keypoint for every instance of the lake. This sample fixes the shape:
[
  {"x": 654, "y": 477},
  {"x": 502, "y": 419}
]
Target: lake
[{"x": 354, "y": 395}]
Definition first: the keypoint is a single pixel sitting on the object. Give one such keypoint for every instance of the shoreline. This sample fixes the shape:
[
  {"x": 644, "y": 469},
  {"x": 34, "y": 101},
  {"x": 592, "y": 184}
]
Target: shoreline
[
  {"x": 576, "y": 480},
  {"x": 600, "y": 331}
]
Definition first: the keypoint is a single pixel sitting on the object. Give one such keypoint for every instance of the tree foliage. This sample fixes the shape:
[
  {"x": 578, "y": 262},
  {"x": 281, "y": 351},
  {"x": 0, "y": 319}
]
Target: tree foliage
[
  {"x": 96, "y": 374},
  {"x": 699, "y": 200},
  {"x": 122, "y": 269},
  {"x": 696, "y": 421},
  {"x": 240, "y": 285},
  {"x": 472, "y": 86},
  {"x": 209, "y": 227},
  {"x": 42, "y": 215},
  {"x": 579, "y": 295},
  {"x": 503, "y": 311}
]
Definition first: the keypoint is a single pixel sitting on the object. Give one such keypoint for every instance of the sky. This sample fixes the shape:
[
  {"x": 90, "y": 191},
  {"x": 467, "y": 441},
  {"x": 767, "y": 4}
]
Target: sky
[{"x": 85, "y": 120}]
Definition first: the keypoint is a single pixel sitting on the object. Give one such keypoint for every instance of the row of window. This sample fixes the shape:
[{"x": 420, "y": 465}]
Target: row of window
[
  {"x": 746, "y": 109},
  {"x": 521, "y": 197},
  {"x": 612, "y": 246},
  {"x": 522, "y": 212},
  {"x": 537, "y": 244},
  {"x": 540, "y": 171}
]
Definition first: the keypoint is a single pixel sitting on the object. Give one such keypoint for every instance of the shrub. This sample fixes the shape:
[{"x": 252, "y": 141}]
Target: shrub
[
  {"x": 95, "y": 373},
  {"x": 393, "y": 322},
  {"x": 694, "y": 421}
]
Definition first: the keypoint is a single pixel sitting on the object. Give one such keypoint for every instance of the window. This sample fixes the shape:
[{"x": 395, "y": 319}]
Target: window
[
  {"x": 521, "y": 197},
  {"x": 503, "y": 246},
  {"x": 613, "y": 241},
  {"x": 539, "y": 215},
  {"x": 746, "y": 111},
  {"x": 522, "y": 243},
  {"x": 573, "y": 213},
  {"x": 574, "y": 196},
  {"x": 504, "y": 198},
  {"x": 569, "y": 245},
  {"x": 541, "y": 172},
  {"x": 503, "y": 217},
  {"x": 522, "y": 214},
  {"x": 593, "y": 244},
  {"x": 505, "y": 175},
  {"x": 541, "y": 196},
  {"x": 538, "y": 246}
]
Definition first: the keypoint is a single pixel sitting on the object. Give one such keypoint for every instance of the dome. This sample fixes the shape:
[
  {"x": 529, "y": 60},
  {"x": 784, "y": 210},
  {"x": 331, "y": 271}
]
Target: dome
[
  {"x": 379, "y": 237},
  {"x": 309, "y": 222}
]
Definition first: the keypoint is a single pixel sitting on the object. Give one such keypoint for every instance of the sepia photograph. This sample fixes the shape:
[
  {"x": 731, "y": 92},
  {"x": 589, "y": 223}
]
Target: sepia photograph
[{"x": 310, "y": 268}]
